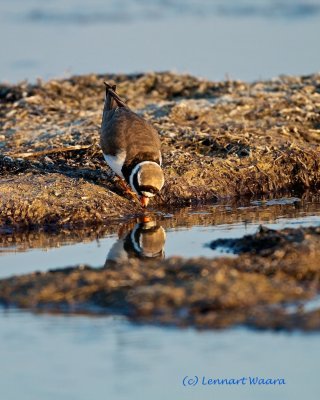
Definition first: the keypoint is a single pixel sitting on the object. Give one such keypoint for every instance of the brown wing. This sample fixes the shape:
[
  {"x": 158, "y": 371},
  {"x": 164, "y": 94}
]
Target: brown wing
[{"x": 123, "y": 130}]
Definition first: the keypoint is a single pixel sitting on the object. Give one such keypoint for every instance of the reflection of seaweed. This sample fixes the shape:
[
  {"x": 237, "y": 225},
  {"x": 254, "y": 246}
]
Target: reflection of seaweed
[{"x": 228, "y": 212}]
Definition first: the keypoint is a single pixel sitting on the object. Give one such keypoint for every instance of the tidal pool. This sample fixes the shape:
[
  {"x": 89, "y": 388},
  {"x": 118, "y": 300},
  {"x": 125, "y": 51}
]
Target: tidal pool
[{"x": 186, "y": 233}]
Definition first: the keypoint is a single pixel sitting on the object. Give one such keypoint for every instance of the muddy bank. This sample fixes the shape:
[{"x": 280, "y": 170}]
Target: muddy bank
[
  {"x": 219, "y": 139},
  {"x": 253, "y": 289}
]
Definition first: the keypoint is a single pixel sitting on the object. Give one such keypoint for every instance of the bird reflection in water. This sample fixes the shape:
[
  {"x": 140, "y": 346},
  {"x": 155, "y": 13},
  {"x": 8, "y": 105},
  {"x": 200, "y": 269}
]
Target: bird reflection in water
[{"x": 144, "y": 240}]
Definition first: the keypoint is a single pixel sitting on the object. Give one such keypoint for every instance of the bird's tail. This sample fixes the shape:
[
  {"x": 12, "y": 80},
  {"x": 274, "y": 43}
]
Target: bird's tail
[{"x": 112, "y": 99}]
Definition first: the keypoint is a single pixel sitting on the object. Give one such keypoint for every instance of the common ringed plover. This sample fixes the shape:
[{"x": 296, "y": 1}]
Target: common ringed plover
[{"x": 131, "y": 147}]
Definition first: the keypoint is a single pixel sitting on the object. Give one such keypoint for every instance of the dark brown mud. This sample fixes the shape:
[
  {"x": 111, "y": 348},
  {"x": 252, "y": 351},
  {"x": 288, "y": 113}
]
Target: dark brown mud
[
  {"x": 219, "y": 139},
  {"x": 254, "y": 289}
]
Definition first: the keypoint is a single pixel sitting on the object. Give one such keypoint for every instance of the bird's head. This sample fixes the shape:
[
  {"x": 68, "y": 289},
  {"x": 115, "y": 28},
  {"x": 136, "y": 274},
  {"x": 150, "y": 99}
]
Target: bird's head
[
  {"x": 146, "y": 180},
  {"x": 147, "y": 240}
]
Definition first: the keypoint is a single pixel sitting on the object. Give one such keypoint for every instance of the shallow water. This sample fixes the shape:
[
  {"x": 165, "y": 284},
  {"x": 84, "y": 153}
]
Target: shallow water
[
  {"x": 185, "y": 233},
  {"x": 80, "y": 357},
  {"x": 244, "y": 39}
]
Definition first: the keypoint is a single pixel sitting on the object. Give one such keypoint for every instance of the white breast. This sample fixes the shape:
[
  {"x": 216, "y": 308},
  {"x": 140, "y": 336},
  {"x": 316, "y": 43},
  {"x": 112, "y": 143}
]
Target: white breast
[{"x": 116, "y": 162}]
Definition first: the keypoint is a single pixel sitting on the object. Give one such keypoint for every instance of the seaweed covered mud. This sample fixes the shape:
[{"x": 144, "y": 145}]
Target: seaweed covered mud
[{"x": 219, "y": 139}]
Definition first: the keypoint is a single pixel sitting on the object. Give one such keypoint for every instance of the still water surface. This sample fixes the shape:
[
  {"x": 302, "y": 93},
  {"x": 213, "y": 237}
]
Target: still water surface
[
  {"x": 80, "y": 358},
  {"x": 185, "y": 233}
]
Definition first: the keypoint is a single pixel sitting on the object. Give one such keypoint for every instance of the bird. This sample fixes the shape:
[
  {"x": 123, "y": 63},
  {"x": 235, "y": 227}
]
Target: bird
[
  {"x": 131, "y": 147},
  {"x": 145, "y": 240}
]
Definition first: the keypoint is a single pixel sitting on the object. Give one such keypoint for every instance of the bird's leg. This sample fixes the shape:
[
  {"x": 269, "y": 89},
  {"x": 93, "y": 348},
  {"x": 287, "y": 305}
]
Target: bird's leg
[
  {"x": 124, "y": 186},
  {"x": 143, "y": 201}
]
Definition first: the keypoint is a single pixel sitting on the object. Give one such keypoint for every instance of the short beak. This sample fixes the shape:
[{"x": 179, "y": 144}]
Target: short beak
[{"x": 144, "y": 201}]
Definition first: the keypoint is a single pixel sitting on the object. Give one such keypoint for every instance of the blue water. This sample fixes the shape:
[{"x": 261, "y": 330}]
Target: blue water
[
  {"x": 57, "y": 357},
  {"x": 241, "y": 39}
]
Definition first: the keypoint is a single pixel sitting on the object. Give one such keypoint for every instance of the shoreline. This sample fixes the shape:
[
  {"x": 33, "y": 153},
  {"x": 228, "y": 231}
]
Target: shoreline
[{"x": 219, "y": 140}]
